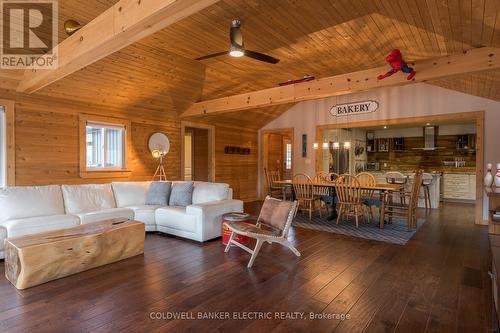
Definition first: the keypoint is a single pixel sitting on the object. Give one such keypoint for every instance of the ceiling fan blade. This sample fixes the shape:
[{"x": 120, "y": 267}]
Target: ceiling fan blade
[
  {"x": 212, "y": 55},
  {"x": 261, "y": 57}
]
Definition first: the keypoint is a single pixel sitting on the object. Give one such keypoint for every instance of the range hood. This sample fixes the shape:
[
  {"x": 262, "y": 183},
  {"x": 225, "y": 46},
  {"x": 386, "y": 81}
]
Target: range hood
[{"x": 430, "y": 135}]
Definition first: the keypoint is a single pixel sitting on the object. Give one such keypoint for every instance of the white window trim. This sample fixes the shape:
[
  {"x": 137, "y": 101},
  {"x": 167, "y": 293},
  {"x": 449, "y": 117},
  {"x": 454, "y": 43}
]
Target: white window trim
[
  {"x": 109, "y": 122},
  {"x": 106, "y": 126}
]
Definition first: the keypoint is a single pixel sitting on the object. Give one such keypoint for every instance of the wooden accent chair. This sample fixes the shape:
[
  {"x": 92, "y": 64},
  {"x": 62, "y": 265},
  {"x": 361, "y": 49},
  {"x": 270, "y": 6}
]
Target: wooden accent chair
[
  {"x": 274, "y": 190},
  {"x": 348, "y": 192},
  {"x": 368, "y": 198},
  {"x": 272, "y": 226},
  {"x": 304, "y": 194},
  {"x": 407, "y": 209}
]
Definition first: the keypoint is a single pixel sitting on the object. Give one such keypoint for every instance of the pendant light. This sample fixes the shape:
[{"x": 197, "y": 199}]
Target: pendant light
[
  {"x": 325, "y": 145},
  {"x": 336, "y": 144},
  {"x": 347, "y": 144}
]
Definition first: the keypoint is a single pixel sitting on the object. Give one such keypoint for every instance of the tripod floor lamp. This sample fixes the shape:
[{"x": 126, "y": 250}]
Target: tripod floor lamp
[{"x": 159, "y": 145}]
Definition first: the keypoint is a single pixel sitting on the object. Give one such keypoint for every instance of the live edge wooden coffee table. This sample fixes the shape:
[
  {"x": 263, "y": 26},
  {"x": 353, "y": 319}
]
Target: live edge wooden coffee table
[{"x": 35, "y": 259}]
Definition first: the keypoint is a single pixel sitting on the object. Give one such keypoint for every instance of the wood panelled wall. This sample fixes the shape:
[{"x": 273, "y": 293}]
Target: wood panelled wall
[
  {"x": 47, "y": 144},
  {"x": 411, "y": 159},
  {"x": 240, "y": 171},
  {"x": 47, "y": 141}
]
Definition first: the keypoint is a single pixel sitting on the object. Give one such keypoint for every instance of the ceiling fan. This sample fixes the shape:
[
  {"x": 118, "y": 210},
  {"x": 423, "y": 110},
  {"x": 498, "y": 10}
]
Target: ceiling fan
[{"x": 237, "y": 48}]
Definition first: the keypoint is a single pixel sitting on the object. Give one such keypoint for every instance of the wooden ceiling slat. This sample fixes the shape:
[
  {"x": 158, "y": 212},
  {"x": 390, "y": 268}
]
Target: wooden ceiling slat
[{"x": 320, "y": 38}]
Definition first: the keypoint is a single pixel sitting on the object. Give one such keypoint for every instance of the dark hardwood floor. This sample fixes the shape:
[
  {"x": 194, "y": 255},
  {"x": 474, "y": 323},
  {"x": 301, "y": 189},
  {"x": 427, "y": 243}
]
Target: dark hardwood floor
[{"x": 438, "y": 282}]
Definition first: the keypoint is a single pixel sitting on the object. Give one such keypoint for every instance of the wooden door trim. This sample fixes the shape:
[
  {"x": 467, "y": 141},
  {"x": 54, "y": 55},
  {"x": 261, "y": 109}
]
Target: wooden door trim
[
  {"x": 476, "y": 116},
  {"x": 211, "y": 146},
  {"x": 264, "y": 146},
  {"x": 10, "y": 126}
]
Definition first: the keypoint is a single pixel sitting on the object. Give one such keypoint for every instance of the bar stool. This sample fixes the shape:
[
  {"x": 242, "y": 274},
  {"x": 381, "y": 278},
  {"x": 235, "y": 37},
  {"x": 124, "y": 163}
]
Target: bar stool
[
  {"x": 427, "y": 180},
  {"x": 395, "y": 177}
]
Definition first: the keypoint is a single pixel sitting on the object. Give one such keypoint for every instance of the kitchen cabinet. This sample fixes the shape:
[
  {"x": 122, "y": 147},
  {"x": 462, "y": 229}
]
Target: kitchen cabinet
[{"x": 459, "y": 186}]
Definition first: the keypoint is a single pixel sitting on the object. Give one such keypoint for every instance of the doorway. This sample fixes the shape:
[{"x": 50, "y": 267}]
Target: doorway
[
  {"x": 277, "y": 154},
  {"x": 197, "y": 152}
]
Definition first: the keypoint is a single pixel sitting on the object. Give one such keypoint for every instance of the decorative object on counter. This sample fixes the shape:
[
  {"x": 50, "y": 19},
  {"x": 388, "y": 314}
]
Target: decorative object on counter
[
  {"x": 497, "y": 176},
  {"x": 395, "y": 60},
  {"x": 236, "y": 150},
  {"x": 488, "y": 179}
]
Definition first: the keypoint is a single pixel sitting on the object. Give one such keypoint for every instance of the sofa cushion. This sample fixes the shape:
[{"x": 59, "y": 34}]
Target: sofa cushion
[
  {"x": 33, "y": 225},
  {"x": 30, "y": 201},
  {"x": 130, "y": 193},
  {"x": 88, "y": 198},
  {"x": 158, "y": 193},
  {"x": 181, "y": 194},
  {"x": 106, "y": 214},
  {"x": 145, "y": 213},
  {"x": 208, "y": 192},
  {"x": 175, "y": 217}
]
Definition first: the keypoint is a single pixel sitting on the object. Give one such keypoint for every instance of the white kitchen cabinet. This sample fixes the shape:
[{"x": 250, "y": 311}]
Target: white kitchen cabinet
[{"x": 459, "y": 186}]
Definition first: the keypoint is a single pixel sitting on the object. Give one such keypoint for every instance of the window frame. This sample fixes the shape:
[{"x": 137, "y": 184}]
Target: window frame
[{"x": 104, "y": 172}]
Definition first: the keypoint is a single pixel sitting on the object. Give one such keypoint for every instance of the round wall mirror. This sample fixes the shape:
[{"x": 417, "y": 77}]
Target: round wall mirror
[{"x": 159, "y": 142}]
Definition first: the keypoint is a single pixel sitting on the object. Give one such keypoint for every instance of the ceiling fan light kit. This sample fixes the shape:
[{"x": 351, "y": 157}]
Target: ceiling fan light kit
[{"x": 236, "y": 52}]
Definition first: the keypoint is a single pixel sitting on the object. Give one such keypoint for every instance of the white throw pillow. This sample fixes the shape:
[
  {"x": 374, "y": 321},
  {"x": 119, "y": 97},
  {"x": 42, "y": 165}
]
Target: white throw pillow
[
  {"x": 208, "y": 192},
  {"x": 130, "y": 193},
  {"x": 30, "y": 201},
  {"x": 88, "y": 198}
]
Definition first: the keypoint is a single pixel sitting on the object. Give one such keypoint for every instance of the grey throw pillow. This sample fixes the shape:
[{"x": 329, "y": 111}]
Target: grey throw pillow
[
  {"x": 158, "y": 193},
  {"x": 181, "y": 194}
]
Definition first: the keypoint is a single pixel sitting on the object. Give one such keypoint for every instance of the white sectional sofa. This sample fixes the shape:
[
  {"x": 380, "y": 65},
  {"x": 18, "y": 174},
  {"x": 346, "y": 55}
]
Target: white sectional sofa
[{"x": 33, "y": 209}]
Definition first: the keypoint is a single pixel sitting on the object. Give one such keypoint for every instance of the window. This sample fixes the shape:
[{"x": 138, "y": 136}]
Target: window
[
  {"x": 288, "y": 157},
  {"x": 3, "y": 148},
  {"x": 103, "y": 146}
]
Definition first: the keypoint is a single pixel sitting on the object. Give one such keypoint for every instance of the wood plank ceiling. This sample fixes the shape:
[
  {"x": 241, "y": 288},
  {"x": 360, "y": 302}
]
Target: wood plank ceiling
[{"x": 320, "y": 38}]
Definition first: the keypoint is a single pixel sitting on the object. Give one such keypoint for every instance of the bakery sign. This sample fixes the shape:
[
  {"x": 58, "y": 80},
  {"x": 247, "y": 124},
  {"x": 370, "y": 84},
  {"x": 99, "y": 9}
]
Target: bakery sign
[{"x": 347, "y": 109}]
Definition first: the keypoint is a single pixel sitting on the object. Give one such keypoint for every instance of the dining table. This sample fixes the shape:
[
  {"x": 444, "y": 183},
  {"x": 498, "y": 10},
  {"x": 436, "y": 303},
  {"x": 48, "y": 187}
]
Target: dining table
[{"x": 381, "y": 188}]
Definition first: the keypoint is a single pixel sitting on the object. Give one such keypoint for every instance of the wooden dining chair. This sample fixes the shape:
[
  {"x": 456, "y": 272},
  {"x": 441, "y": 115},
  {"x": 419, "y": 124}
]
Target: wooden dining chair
[
  {"x": 368, "y": 198},
  {"x": 304, "y": 194},
  {"x": 273, "y": 224},
  {"x": 274, "y": 190},
  {"x": 409, "y": 208},
  {"x": 349, "y": 202},
  {"x": 325, "y": 191},
  {"x": 333, "y": 176}
]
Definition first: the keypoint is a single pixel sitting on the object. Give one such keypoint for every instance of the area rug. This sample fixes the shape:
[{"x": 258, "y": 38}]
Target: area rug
[{"x": 395, "y": 233}]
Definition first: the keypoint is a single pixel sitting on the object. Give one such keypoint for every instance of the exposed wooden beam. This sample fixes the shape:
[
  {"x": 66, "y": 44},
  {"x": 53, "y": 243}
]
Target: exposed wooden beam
[
  {"x": 121, "y": 25},
  {"x": 474, "y": 60}
]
